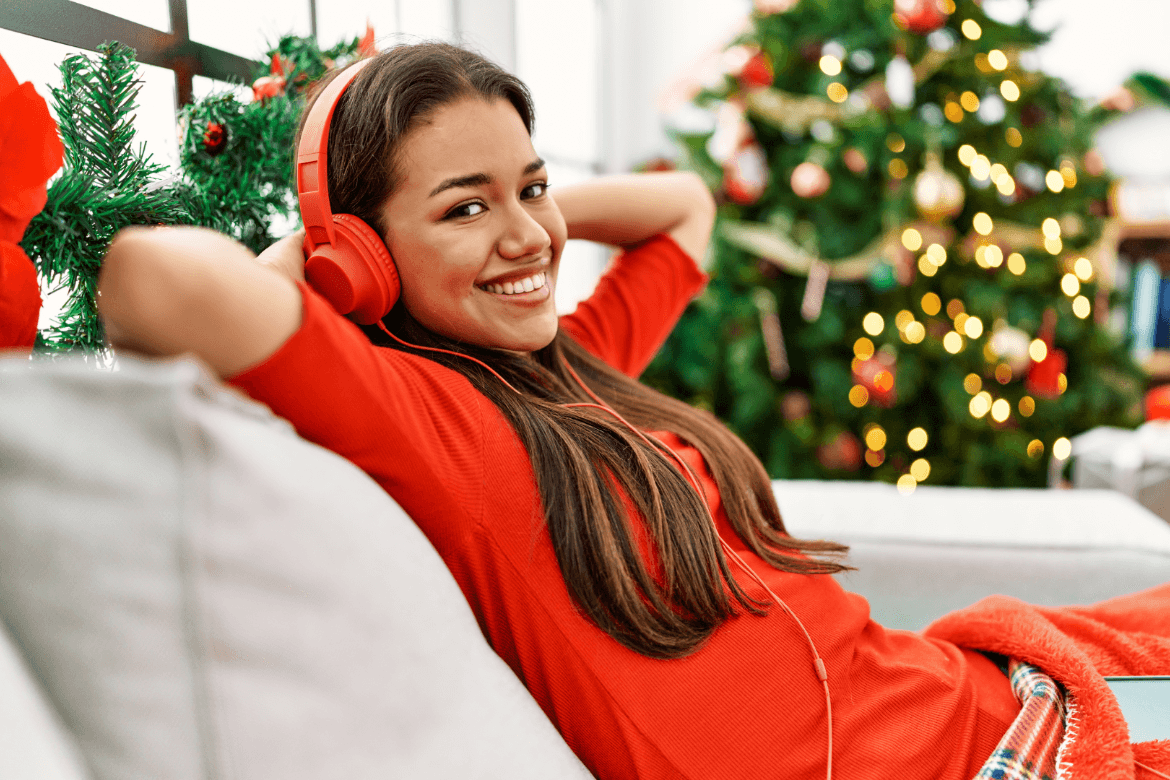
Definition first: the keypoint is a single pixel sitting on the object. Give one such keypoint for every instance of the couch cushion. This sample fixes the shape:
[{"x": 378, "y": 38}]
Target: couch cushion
[
  {"x": 205, "y": 594},
  {"x": 939, "y": 549},
  {"x": 33, "y": 743}
]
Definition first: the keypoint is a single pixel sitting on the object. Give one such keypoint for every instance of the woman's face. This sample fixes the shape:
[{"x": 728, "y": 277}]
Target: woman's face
[{"x": 473, "y": 231}]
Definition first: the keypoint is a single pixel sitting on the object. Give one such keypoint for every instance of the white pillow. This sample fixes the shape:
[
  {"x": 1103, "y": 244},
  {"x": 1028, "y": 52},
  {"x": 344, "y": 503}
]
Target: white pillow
[{"x": 204, "y": 594}]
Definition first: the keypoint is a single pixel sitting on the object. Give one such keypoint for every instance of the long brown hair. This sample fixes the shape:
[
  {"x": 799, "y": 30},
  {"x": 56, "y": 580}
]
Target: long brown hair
[{"x": 583, "y": 458}]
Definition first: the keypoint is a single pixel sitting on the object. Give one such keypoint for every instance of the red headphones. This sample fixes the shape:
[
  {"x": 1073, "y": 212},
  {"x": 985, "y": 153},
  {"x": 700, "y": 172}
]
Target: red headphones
[{"x": 348, "y": 264}]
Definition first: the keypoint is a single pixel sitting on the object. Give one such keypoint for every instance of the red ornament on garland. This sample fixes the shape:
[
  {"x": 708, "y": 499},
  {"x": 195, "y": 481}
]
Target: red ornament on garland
[
  {"x": 1047, "y": 379},
  {"x": 214, "y": 138},
  {"x": 757, "y": 72},
  {"x": 878, "y": 375},
  {"x": 1157, "y": 403},
  {"x": 843, "y": 453},
  {"x": 745, "y": 175},
  {"x": 810, "y": 180},
  {"x": 920, "y": 16}
]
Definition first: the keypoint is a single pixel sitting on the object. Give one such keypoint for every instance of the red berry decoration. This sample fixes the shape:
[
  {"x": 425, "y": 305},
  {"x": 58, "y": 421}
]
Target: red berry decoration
[
  {"x": 920, "y": 16},
  {"x": 214, "y": 138}
]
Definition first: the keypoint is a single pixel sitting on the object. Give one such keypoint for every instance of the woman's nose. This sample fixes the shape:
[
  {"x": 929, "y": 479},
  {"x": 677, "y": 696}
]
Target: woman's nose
[{"x": 523, "y": 236}]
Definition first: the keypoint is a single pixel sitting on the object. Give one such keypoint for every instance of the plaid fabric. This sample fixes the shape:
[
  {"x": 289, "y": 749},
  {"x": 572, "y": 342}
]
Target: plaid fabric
[{"x": 1029, "y": 748}]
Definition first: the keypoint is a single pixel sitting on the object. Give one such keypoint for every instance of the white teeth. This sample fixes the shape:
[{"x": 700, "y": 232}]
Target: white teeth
[{"x": 534, "y": 282}]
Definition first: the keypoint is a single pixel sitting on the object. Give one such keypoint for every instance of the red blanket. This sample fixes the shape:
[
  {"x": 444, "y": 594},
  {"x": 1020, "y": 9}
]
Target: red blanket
[{"x": 1078, "y": 647}]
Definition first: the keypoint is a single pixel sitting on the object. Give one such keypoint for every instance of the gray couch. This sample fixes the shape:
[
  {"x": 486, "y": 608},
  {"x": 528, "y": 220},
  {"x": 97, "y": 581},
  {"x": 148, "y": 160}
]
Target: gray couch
[{"x": 189, "y": 590}]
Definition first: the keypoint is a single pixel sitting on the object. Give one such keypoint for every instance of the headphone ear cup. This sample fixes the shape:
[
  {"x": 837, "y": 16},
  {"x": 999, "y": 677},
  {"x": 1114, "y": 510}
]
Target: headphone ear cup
[{"x": 356, "y": 273}]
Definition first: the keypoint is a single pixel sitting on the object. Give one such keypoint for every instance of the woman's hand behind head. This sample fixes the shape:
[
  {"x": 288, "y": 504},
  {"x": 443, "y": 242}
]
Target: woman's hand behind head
[{"x": 286, "y": 256}]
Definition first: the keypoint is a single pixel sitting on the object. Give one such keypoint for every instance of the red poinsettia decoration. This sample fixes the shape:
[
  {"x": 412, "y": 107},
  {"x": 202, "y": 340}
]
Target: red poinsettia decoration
[
  {"x": 272, "y": 85},
  {"x": 30, "y": 152},
  {"x": 366, "y": 47}
]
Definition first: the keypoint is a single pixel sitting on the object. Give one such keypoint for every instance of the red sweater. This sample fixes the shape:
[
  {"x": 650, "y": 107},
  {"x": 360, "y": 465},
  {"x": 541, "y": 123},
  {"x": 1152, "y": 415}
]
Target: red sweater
[{"x": 748, "y": 703}]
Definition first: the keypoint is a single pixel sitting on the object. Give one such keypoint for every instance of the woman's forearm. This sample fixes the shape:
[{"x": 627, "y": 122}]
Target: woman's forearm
[
  {"x": 627, "y": 209},
  {"x": 169, "y": 291}
]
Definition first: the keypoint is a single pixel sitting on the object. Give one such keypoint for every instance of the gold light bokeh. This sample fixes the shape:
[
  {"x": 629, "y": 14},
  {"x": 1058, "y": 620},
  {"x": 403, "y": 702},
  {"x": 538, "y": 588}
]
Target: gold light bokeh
[
  {"x": 1009, "y": 90},
  {"x": 915, "y": 332},
  {"x": 1038, "y": 350},
  {"x": 967, "y": 154},
  {"x": 875, "y": 438},
  {"x": 863, "y": 348},
  {"x": 895, "y": 143},
  {"x": 911, "y": 239},
  {"x": 837, "y": 92},
  {"x": 898, "y": 169},
  {"x": 1014, "y": 137},
  {"x": 931, "y": 304},
  {"x": 917, "y": 439},
  {"x": 953, "y": 343},
  {"x": 955, "y": 308},
  {"x": 997, "y": 59},
  {"x": 1035, "y": 448},
  {"x": 971, "y": 29},
  {"x": 858, "y": 396},
  {"x": 1054, "y": 181},
  {"x": 873, "y": 324},
  {"x": 973, "y": 327},
  {"x": 830, "y": 65},
  {"x": 906, "y": 484},
  {"x": 969, "y": 101},
  {"x": 972, "y": 383},
  {"x": 980, "y": 404},
  {"x": 1061, "y": 448},
  {"x": 1081, "y": 306},
  {"x": 1070, "y": 284},
  {"x": 1083, "y": 268},
  {"x": 1016, "y": 263},
  {"x": 937, "y": 254},
  {"x": 920, "y": 469},
  {"x": 982, "y": 223},
  {"x": 925, "y": 267},
  {"x": 1000, "y": 410}
]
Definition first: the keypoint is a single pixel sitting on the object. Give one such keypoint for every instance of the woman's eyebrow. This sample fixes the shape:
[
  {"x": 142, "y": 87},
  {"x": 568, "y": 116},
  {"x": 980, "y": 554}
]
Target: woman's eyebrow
[{"x": 481, "y": 179}]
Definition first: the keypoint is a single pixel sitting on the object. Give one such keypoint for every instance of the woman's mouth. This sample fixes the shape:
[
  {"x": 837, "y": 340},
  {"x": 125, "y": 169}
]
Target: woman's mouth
[{"x": 520, "y": 287}]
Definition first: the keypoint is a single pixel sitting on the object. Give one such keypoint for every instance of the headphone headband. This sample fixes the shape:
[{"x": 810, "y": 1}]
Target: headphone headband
[{"x": 312, "y": 175}]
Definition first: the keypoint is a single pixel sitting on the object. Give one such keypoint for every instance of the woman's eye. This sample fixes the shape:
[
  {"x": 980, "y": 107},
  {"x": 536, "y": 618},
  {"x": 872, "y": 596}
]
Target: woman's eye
[
  {"x": 466, "y": 210},
  {"x": 537, "y": 189}
]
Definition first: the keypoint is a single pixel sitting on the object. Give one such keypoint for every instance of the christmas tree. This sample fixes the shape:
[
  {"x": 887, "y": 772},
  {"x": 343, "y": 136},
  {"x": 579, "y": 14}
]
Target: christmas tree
[
  {"x": 235, "y": 171},
  {"x": 913, "y": 260}
]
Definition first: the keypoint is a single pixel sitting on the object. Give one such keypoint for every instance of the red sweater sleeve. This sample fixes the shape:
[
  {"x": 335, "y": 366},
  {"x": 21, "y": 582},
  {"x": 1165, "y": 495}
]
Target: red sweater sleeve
[{"x": 636, "y": 304}]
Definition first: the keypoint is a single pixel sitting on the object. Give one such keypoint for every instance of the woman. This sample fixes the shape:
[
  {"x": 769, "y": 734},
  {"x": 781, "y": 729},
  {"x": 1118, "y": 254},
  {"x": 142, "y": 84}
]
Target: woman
[{"x": 595, "y": 568}]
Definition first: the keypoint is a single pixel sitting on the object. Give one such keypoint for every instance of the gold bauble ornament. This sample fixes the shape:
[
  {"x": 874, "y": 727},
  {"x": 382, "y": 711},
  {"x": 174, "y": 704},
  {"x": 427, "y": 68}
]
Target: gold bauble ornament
[{"x": 938, "y": 193}]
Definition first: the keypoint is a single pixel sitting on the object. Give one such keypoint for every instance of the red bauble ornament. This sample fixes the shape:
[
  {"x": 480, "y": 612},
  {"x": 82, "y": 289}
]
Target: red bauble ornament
[
  {"x": 810, "y": 180},
  {"x": 214, "y": 138},
  {"x": 1157, "y": 403},
  {"x": 745, "y": 175},
  {"x": 267, "y": 87},
  {"x": 842, "y": 453},
  {"x": 878, "y": 375},
  {"x": 855, "y": 160},
  {"x": 757, "y": 72},
  {"x": 920, "y": 16},
  {"x": 1044, "y": 379}
]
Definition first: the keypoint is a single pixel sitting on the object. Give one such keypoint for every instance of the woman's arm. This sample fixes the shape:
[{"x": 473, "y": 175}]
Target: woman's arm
[
  {"x": 169, "y": 291},
  {"x": 627, "y": 209}
]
